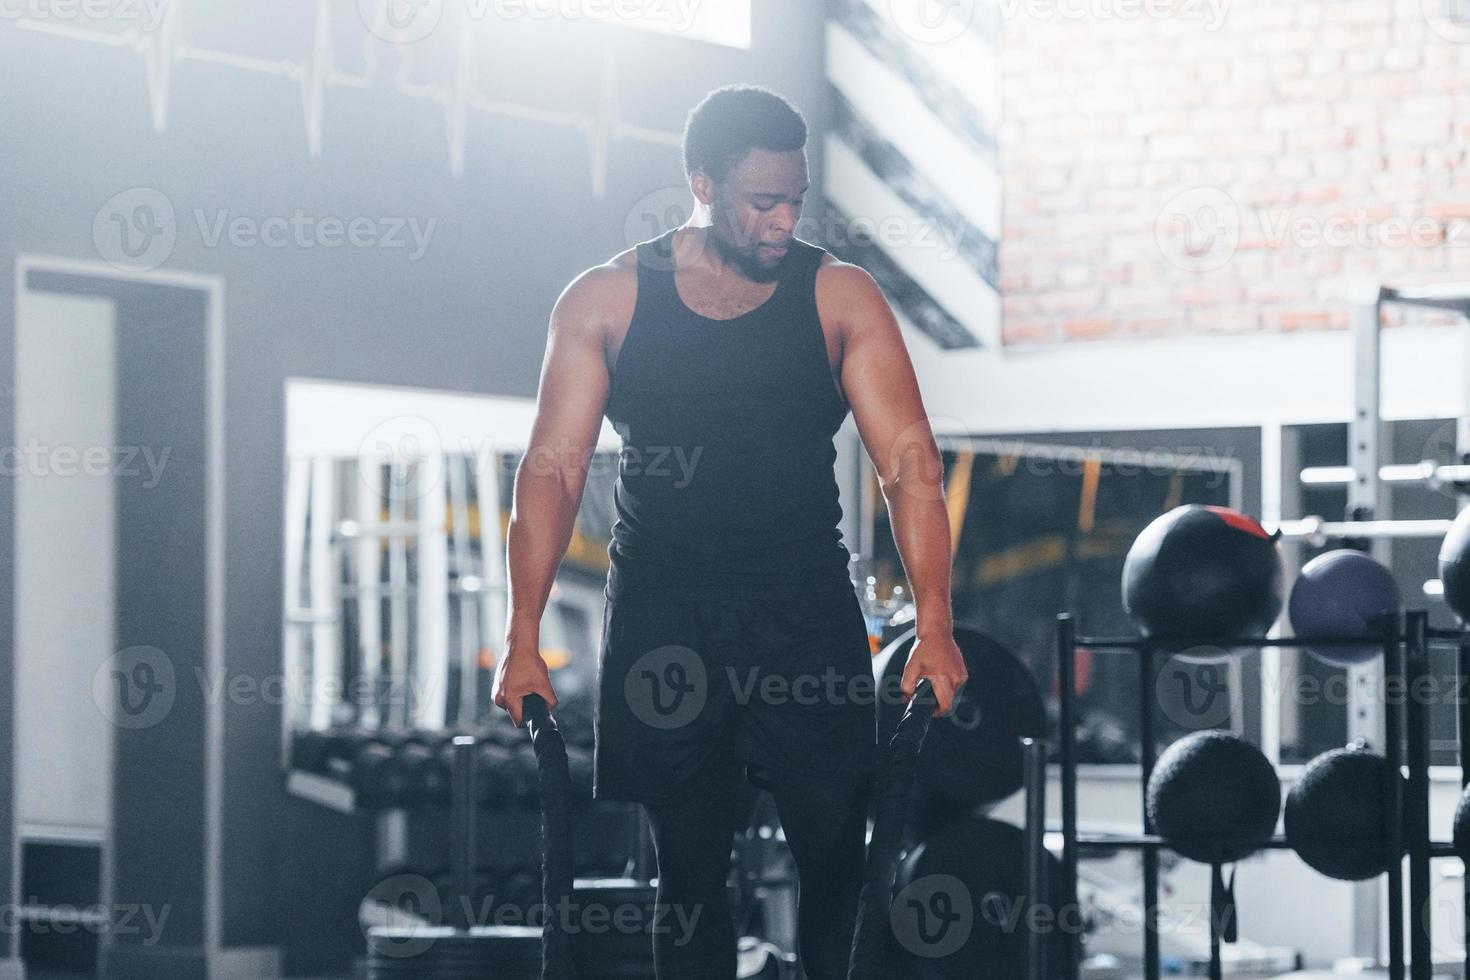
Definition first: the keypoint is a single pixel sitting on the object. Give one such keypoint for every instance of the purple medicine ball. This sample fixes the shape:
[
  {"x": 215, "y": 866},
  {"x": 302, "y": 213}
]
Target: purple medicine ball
[{"x": 1341, "y": 593}]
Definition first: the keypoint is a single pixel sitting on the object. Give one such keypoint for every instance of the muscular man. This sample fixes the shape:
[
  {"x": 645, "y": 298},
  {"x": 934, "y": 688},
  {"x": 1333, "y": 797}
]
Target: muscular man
[{"x": 727, "y": 353}]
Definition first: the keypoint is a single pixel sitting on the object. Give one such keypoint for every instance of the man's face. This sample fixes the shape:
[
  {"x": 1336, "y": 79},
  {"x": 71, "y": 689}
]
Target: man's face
[{"x": 755, "y": 209}]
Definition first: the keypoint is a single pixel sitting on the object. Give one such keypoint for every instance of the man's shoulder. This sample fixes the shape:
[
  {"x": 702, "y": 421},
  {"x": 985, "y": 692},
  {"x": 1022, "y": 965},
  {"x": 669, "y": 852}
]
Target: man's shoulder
[
  {"x": 615, "y": 279},
  {"x": 842, "y": 284},
  {"x": 599, "y": 301}
]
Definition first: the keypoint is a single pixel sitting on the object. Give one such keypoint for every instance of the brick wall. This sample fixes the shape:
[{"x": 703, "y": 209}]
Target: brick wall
[{"x": 1176, "y": 167}]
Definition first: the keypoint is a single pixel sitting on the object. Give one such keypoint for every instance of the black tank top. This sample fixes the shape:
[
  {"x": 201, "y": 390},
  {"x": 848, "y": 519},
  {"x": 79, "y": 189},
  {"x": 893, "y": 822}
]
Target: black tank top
[{"x": 725, "y": 478}]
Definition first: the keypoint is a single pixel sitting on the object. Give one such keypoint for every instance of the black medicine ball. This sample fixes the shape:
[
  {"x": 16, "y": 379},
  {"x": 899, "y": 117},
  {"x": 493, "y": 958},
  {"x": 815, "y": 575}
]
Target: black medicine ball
[
  {"x": 1203, "y": 572},
  {"x": 1214, "y": 797},
  {"x": 1336, "y": 814},
  {"x": 1454, "y": 566}
]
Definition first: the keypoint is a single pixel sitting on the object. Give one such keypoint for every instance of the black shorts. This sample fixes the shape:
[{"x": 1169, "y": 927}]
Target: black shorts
[{"x": 691, "y": 686}]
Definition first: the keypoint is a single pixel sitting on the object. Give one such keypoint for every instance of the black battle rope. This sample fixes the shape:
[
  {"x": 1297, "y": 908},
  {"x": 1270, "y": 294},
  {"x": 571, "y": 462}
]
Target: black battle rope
[
  {"x": 556, "y": 835},
  {"x": 890, "y": 813}
]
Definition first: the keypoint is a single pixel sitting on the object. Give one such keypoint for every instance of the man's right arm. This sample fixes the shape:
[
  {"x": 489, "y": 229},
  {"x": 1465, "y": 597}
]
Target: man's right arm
[{"x": 551, "y": 478}]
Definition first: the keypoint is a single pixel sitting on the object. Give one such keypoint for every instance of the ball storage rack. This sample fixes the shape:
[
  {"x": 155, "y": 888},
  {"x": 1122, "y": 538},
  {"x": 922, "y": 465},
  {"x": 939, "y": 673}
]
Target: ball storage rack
[{"x": 1406, "y": 640}]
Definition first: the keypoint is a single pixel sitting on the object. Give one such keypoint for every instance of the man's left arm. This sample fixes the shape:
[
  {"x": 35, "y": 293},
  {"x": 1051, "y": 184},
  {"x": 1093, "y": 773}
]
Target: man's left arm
[{"x": 879, "y": 382}]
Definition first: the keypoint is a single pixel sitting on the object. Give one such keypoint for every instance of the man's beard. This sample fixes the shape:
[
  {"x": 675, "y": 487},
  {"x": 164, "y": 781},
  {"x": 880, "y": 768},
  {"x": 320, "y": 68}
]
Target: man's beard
[{"x": 745, "y": 261}]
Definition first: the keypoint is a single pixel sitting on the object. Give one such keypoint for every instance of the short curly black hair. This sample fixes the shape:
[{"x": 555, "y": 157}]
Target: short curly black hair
[{"x": 731, "y": 121}]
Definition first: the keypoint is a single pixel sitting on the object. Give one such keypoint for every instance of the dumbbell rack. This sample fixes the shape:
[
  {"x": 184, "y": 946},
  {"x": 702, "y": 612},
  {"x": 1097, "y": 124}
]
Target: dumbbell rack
[{"x": 1405, "y": 639}]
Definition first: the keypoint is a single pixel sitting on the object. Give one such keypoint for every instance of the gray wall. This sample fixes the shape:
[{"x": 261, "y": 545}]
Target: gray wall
[{"x": 469, "y": 315}]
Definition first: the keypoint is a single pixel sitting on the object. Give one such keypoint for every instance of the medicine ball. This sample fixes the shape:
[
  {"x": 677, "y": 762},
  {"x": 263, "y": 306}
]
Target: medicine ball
[
  {"x": 1214, "y": 797},
  {"x": 1462, "y": 827},
  {"x": 1342, "y": 593},
  {"x": 1454, "y": 566},
  {"x": 972, "y": 756},
  {"x": 1336, "y": 814},
  {"x": 1203, "y": 572},
  {"x": 1461, "y": 832}
]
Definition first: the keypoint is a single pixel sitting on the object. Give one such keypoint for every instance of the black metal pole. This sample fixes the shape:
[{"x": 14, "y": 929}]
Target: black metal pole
[
  {"x": 1462, "y": 677},
  {"x": 462, "y": 830},
  {"x": 1038, "y": 895},
  {"x": 1148, "y": 756},
  {"x": 1217, "y": 971},
  {"x": 1393, "y": 669},
  {"x": 1067, "y": 734},
  {"x": 1421, "y": 946}
]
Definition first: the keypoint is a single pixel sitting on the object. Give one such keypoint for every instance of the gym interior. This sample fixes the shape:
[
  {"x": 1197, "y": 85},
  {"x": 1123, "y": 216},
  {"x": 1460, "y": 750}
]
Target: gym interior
[{"x": 1184, "y": 284}]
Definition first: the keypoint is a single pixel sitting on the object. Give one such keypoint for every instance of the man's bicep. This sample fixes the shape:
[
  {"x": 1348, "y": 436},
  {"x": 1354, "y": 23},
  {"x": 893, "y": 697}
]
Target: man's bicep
[
  {"x": 572, "y": 393},
  {"x": 881, "y": 385}
]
